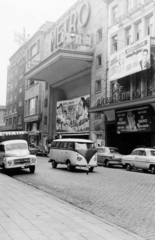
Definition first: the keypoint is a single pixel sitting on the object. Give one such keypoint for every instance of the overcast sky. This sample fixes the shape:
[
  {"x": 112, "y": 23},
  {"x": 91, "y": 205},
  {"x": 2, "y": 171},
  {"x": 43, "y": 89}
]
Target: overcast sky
[{"x": 18, "y": 14}]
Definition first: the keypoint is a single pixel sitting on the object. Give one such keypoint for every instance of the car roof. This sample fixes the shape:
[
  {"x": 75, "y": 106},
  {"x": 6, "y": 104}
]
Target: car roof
[
  {"x": 143, "y": 149},
  {"x": 73, "y": 140},
  {"x": 13, "y": 141}
]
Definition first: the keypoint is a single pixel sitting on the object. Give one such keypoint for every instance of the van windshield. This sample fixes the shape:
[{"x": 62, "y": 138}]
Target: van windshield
[
  {"x": 16, "y": 146},
  {"x": 84, "y": 146}
]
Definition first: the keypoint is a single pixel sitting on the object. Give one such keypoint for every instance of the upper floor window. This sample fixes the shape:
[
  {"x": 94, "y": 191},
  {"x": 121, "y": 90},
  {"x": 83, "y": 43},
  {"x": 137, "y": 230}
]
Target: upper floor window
[
  {"x": 128, "y": 5},
  {"x": 45, "y": 120},
  {"x": 99, "y": 35},
  {"x": 99, "y": 60},
  {"x": 33, "y": 50},
  {"x": 20, "y": 103},
  {"x": 114, "y": 13},
  {"x": 114, "y": 44},
  {"x": 32, "y": 106},
  {"x": 149, "y": 25},
  {"x": 98, "y": 86},
  {"x": 128, "y": 36},
  {"x": 138, "y": 30},
  {"x": 21, "y": 89},
  {"x": 19, "y": 119},
  {"x": 45, "y": 102}
]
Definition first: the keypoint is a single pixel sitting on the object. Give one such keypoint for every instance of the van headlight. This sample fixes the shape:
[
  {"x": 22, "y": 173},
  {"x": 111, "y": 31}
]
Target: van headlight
[
  {"x": 79, "y": 158},
  {"x": 33, "y": 160},
  {"x": 95, "y": 157}
]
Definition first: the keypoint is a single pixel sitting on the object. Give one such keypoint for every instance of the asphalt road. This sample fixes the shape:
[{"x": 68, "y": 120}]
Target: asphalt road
[{"x": 123, "y": 198}]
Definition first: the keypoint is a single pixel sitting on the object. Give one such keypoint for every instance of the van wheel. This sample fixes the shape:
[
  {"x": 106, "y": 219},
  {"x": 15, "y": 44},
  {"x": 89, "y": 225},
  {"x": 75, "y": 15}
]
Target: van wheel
[
  {"x": 69, "y": 166},
  {"x": 91, "y": 169},
  {"x": 32, "y": 169},
  {"x": 128, "y": 167},
  {"x": 153, "y": 169},
  {"x": 54, "y": 164}
]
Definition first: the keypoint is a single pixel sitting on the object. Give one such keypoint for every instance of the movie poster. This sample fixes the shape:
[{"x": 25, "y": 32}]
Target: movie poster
[
  {"x": 72, "y": 115},
  {"x": 132, "y": 59}
]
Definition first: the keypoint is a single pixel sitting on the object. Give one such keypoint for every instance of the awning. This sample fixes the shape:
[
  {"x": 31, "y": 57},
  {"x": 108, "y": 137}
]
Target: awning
[{"x": 61, "y": 65}]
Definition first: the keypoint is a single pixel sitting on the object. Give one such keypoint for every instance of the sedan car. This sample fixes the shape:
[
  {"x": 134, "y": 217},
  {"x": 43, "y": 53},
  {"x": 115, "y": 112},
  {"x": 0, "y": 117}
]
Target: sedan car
[
  {"x": 33, "y": 149},
  {"x": 42, "y": 151},
  {"x": 140, "y": 158},
  {"x": 107, "y": 156}
]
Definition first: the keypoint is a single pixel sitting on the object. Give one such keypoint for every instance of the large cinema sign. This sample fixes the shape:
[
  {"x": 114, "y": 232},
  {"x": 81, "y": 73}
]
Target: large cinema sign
[
  {"x": 132, "y": 59},
  {"x": 76, "y": 18},
  {"x": 134, "y": 120}
]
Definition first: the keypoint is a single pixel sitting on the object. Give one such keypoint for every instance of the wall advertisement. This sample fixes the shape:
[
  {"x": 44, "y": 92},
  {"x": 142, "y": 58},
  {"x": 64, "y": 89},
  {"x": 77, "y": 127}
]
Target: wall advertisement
[
  {"x": 72, "y": 115},
  {"x": 130, "y": 60},
  {"x": 133, "y": 120}
]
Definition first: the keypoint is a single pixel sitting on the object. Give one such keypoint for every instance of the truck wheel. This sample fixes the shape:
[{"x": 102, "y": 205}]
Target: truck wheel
[
  {"x": 32, "y": 169},
  {"x": 54, "y": 164}
]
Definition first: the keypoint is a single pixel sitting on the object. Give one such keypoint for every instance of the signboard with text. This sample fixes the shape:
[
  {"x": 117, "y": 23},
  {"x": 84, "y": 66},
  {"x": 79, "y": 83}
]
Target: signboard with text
[
  {"x": 133, "y": 120},
  {"x": 132, "y": 59}
]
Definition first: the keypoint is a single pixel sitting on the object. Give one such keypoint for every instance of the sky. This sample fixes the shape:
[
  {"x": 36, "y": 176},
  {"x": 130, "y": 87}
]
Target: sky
[{"x": 15, "y": 15}]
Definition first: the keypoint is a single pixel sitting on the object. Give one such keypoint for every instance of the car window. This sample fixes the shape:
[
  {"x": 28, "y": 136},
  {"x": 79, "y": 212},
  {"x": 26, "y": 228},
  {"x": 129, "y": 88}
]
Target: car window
[
  {"x": 101, "y": 150},
  {"x": 114, "y": 150},
  {"x": 152, "y": 152},
  {"x": 70, "y": 145},
  {"x": 61, "y": 145},
  {"x": 142, "y": 153},
  {"x": 134, "y": 152},
  {"x": 57, "y": 144},
  {"x": 65, "y": 144},
  {"x": 53, "y": 144},
  {"x": 16, "y": 146}
]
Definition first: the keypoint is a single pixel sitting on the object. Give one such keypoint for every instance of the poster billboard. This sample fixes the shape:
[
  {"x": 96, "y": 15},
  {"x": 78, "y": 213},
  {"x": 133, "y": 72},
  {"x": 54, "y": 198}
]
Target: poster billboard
[
  {"x": 132, "y": 59},
  {"x": 133, "y": 120},
  {"x": 72, "y": 115}
]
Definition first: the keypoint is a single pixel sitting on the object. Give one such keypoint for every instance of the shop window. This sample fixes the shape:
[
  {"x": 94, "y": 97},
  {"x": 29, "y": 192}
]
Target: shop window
[
  {"x": 14, "y": 120},
  {"x": 98, "y": 86},
  {"x": 114, "y": 44},
  {"x": 99, "y": 60},
  {"x": 128, "y": 36},
  {"x": 45, "y": 120},
  {"x": 99, "y": 35},
  {"x": 138, "y": 30},
  {"x": 114, "y": 14}
]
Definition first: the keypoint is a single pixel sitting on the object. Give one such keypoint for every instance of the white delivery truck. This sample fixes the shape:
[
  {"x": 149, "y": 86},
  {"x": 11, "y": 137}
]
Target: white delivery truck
[{"x": 14, "y": 151}]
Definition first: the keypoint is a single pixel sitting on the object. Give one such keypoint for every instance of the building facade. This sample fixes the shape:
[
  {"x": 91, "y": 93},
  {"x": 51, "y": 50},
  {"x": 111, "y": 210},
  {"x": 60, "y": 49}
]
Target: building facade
[
  {"x": 14, "y": 117},
  {"x": 2, "y": 116},
  {"x": 74, "y": 67},
  {"x": 129, "y": 104}
]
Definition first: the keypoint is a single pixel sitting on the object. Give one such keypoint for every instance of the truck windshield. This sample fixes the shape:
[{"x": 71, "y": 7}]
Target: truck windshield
[
  {"x": 84, "y": 146},
  {"x": 16, "y": 146}
]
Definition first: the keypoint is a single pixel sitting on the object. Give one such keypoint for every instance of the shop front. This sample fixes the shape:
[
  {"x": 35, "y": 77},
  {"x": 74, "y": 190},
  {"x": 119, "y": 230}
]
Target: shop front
[{"x": 129, "y": 107}]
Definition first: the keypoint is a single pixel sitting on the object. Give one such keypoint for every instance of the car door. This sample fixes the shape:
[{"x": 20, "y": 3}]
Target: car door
[
  {"x": 2, "y": 152},
  {"x": 101, "y": 155},
  {"x": 140, "y": 159}
]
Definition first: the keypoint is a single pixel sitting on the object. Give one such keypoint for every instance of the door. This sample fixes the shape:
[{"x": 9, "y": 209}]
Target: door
[
  {"x": 141, "y": 160},
  {"x": 2, "y": 153}
]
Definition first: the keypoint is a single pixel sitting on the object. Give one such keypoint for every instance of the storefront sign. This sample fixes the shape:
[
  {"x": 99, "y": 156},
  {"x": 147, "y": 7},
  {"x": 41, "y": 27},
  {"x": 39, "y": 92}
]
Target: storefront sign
[
  {"x": 72, "y": 115},
  {"x": 133, "y": 120},
  {"x": 130, "y": 60}
]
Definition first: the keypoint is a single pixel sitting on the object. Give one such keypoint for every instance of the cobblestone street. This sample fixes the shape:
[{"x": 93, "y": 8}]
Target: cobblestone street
[{"x": 126, "y": 199}]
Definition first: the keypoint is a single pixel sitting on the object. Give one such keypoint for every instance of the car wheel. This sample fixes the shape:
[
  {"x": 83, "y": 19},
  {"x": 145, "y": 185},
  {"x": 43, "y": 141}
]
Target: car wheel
[
  {"x": 153, "y": 169},
  {"x": 54, "y": 164},
  {"x": 128, "y": 167},
  {"x": 32, "y": 169},
  {"x": 91, "y": 169},
  {"x": 107, "y": 164},
  {"x": 145, "y": 171}
]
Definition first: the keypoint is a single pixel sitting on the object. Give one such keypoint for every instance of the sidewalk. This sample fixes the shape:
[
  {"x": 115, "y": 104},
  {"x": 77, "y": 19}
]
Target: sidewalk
[{"x": 27, "y": 213}]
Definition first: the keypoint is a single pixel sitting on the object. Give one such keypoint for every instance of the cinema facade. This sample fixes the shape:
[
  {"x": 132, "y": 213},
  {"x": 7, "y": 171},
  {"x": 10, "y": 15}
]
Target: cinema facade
[
  {"x": 73, "y": 64},
  {"x": 129, "y": 104}
]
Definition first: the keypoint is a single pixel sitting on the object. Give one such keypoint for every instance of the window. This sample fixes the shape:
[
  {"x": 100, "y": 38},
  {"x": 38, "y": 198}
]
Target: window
[
  {"x": 7, "y": 122},
  {"x": 38, "y": 46},
  {"x": 99, "y": 35},
  {"x": 45, "y": 120},
  {"x": 20, "y": 103},
  {"x": 114, "y": 14},
  {"x": 45, "y": 102},
  {"x": 134, "y": 152},
  {"x": 142, "y": 153},
  {"x": 15, "y": 108},
  {"x": 33, "y": 50},
  {"x": 14, "y": 120},
  {"x": 21, "y": 89},
  {"x": 114, "y": 43},
  {"x": 138, "y": 27},
  {"x": 31, "y": 82},
  {"x": 46, "y": 86},
  {"x": 10, "y": 121},
  {"x": 19, "y": 119},
  {"x": 149, "y": 26},
  {"x": 32, "y": 106},
  {"x": 98, "y": 86},
  {"x": 98, "y": 60},
  {"x": 128, "y": 36},
  {"x": 128, "y": 5}
]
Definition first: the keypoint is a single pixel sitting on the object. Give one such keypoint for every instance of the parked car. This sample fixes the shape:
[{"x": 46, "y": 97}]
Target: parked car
[
  {"x": 107, "y": 156},
  {"x": 140, "y": 158},
  {"x": 33, "y": 149},
  {"x": 42, "y": 151}
]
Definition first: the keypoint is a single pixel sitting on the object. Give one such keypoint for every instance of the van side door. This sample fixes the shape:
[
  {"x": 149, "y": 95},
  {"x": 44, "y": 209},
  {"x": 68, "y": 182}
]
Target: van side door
[{"x": 2, "y": 153}]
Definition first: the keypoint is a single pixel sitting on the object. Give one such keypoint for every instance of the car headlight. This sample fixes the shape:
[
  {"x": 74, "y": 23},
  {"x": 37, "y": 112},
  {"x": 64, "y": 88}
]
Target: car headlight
[
  {"x": 10, "y": 162},
  {"x": 33, "y": 160}
]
